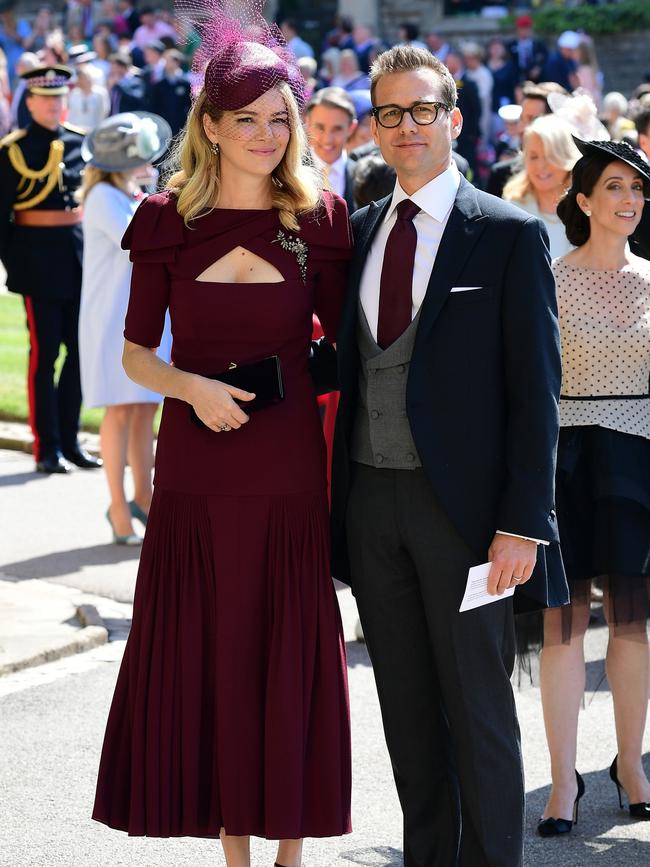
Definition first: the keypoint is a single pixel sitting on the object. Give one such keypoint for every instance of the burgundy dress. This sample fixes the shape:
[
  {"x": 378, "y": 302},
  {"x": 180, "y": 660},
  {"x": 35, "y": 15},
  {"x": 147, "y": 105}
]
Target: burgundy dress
[{"x": 231, "y": 708}]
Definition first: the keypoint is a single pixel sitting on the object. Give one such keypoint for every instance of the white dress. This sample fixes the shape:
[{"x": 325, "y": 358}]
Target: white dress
[
  {"x": 104, "y": 299},
  {"x": 87, "y": 110},
  {"x": 558, "y": 241}
]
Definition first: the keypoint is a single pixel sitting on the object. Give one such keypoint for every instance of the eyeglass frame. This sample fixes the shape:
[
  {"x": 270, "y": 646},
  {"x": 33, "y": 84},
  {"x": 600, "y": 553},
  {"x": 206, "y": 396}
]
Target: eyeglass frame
[{"x": 438, "y": 105}]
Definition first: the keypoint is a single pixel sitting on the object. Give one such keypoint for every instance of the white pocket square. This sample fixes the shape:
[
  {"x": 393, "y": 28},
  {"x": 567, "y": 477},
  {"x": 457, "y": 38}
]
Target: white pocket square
[{"x": 465, "y": 288}]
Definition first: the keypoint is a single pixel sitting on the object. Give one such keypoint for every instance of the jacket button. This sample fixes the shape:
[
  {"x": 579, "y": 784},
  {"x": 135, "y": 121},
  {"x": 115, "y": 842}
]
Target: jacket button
[
  {"x": 410, "y": 457},
  {"x": 401, "y": 368},
  {"x": 379, "y": 458},
  {"x": 375, "y": 414}
]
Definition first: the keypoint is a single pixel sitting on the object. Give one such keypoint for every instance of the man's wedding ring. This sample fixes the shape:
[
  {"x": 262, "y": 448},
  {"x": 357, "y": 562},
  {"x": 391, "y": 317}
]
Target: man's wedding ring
[{"x": 517, "y": 579}]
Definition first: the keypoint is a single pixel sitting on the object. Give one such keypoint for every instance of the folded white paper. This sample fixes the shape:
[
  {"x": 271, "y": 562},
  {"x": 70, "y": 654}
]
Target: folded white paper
[{"x": 476, "y": 593}]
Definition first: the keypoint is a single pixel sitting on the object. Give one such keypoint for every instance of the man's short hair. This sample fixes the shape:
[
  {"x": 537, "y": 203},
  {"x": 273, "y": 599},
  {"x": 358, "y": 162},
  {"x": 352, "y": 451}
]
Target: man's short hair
[
  {"x": 372, "y": 179},
  {"x": 541, "y": 91},
  {"x": 642, "y": 120},
  {"x": 332, "y": 97},
  {"x": 407, "y": 58}
]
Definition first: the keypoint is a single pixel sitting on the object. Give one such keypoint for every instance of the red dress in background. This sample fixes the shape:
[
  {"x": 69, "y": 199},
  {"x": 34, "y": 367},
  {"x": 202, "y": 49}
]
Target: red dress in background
[{"x": 231, "y": 708}]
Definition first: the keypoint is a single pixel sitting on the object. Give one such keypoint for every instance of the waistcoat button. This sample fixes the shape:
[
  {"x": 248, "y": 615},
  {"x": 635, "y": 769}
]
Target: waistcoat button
[
  {"x": 410, "y": 457},
  {"x": 379, "y": 458},
  {"x": 375, "y": 414}
]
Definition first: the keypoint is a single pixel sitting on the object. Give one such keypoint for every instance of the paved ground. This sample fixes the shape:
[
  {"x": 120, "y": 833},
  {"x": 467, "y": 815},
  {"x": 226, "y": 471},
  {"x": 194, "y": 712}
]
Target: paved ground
[{"x": 55, "y": 542}]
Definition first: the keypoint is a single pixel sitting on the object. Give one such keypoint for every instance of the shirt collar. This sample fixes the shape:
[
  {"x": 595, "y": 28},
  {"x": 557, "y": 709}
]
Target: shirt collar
[
  {"x": 435, "y": 198},
  {"x": 43, "y": 132},
  {"x": 336, "y": 167}
]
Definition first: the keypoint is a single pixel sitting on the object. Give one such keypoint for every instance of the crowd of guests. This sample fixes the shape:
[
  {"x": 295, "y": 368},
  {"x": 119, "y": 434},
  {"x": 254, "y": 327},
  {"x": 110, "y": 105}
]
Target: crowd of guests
[
  {"x": 124, "y": 60},
  {"x": 536, "y": 131},
  {"x": 128, "y": 57}
]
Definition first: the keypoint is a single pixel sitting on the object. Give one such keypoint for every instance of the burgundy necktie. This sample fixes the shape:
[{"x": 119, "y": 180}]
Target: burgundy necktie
[{"x": 396, "y": 287}]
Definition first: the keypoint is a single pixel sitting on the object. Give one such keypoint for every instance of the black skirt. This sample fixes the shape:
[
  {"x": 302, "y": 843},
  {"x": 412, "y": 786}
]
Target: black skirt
[{"x": 603, "y": 513}]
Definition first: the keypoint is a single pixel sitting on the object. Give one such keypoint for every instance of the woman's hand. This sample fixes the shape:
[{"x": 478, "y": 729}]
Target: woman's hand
[{"x": 214, "y": 403}]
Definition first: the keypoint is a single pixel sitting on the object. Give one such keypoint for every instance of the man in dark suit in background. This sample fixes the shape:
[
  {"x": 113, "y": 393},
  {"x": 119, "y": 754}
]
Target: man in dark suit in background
[
  {"x": 330, "y": 120},
  {"x": 528, "y": 54},
  {"x": 469, "y": 104},
  {"x": 129, "y": 93},
  {"x": 171, "y": 97},
  {"x": 449, "y": 366}
]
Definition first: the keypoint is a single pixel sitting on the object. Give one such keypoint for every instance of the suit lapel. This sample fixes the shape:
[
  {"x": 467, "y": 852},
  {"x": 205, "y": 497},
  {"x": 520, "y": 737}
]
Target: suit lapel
[{"x": 465, "y": 226}]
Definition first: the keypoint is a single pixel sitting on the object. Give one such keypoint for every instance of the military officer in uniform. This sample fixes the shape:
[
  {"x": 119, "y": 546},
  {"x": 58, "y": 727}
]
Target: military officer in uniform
[{"x": 41, "y": 246}]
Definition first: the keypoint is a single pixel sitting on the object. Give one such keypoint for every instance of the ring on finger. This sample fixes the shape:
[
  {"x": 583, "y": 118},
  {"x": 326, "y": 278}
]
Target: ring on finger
[
  {"x": 223, "y": 427},
  {"x": 514, "y": 578}
]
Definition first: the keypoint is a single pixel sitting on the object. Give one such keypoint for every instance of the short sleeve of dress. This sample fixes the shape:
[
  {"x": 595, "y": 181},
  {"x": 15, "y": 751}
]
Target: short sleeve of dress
[
  {"x": 329, "y": 238},
  {"x": 152, "y": 238}
]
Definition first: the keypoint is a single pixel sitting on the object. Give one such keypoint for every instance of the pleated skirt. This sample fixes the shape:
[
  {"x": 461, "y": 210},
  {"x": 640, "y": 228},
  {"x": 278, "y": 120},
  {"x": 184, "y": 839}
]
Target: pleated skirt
[{"x": 231, "y": 710}]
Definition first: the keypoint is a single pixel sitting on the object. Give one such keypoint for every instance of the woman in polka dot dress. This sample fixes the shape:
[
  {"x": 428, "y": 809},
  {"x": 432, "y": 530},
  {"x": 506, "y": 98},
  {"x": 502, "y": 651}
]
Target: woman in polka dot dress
[{"x": 603, "y": 475}]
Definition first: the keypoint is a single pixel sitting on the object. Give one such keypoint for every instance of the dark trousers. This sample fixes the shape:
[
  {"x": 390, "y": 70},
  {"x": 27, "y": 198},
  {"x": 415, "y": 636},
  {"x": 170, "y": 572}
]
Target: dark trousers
[
  {"x": 53, "y": 407},
  {"x": 443, "y": 678}
]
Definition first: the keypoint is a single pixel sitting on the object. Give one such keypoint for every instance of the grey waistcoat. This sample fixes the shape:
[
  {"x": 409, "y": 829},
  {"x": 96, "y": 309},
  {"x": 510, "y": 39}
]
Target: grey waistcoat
[{"x": 381, "y": 436}]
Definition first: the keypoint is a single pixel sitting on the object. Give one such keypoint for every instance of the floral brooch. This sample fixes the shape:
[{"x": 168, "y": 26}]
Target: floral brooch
[{"x": 296, "y": 246}]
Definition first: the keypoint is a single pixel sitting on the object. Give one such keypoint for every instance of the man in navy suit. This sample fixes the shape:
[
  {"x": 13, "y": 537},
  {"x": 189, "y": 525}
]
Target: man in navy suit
[{"x": 449, "y": 366}]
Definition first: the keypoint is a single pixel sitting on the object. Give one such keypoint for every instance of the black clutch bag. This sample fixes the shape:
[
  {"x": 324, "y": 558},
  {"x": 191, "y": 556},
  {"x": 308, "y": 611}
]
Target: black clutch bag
[{"x": 262, "y": 378}]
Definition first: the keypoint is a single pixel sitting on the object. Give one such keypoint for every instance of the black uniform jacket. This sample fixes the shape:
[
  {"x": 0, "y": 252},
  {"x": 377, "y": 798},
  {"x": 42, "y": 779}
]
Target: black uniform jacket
[
  {"x": 484, "y": 383},
  {"x": 43, "y": 262}
]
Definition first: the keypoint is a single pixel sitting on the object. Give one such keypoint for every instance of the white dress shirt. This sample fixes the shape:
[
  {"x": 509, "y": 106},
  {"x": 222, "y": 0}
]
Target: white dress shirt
[
  {"x": 435, "y": 199},
  {"x": 335, "y": 173}
]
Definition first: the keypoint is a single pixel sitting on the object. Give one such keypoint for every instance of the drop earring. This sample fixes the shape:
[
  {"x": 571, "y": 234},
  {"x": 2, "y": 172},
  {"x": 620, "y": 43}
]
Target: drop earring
[{"x": 215, "y": 148}]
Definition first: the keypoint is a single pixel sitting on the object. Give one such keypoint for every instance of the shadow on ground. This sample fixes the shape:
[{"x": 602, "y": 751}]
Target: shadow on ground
[
  {"x": 385, "y": 856},
  {"x": 68, "y": 562}
]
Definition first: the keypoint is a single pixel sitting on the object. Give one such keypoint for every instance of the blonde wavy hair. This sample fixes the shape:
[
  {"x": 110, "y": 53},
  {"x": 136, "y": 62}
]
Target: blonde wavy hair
[
  {"x": 296, "y": 184},
  {"x": 559, "y": 149},
  {"x": 93, "y": 176}
]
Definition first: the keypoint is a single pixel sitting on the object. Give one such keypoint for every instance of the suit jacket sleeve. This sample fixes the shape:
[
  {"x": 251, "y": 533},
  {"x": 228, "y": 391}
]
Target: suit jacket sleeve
[{"x": 532, "y": 369}]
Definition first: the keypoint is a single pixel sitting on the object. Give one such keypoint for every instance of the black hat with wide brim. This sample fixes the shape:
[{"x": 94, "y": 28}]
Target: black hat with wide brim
[
  {"x": 122, "y": 142},
  {"x": 618, "y": 150}
]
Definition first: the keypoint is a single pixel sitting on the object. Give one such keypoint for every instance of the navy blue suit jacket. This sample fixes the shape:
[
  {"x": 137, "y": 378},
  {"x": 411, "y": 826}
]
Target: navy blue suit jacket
[{"x": 483, "y": 387}]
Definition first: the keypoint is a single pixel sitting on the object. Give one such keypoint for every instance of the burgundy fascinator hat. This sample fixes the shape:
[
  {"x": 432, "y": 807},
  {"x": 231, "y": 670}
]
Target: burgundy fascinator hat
[{"x": 241, "y": 55}]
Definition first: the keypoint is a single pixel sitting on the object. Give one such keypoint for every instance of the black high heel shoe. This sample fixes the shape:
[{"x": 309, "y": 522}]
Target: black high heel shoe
[
  {"x": 637, "y": 811},
  {"x": 554, "y": 827}
]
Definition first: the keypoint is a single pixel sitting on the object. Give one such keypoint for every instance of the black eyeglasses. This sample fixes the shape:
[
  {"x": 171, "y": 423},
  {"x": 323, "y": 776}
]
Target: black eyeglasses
[{"x": 423, "y": 113}]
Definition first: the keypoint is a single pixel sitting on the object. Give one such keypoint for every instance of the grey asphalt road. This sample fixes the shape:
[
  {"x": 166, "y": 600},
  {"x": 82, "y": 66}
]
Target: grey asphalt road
[{"x": 52, "y": 720}]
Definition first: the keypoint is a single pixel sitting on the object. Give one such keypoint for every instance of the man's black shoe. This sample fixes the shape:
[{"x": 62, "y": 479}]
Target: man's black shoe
[
  {"x": 53, "y": 464},
  {"x": 81, "y": 458}
]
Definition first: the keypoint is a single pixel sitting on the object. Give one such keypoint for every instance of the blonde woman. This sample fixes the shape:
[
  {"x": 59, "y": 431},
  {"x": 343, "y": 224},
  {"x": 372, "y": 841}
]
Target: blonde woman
[
  {"x": 230, "y": 715},
  {"x": 549, "y": 154},
  {"x": 115, "y": 151}
]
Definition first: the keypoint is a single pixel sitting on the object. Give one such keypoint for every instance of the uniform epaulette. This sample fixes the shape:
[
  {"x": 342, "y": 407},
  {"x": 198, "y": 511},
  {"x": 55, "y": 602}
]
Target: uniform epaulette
[
  {"x": 16, "y": 135},
  {"x": 72, "y": 128}
]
